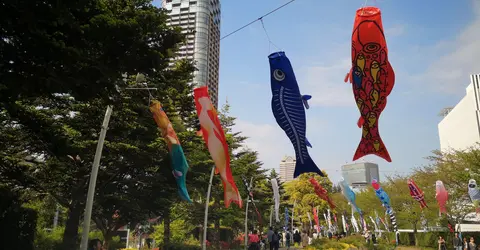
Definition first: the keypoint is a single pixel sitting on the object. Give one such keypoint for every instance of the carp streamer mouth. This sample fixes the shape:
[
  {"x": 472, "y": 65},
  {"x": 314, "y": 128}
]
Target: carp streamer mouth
[{"x": 368, "y": 11}]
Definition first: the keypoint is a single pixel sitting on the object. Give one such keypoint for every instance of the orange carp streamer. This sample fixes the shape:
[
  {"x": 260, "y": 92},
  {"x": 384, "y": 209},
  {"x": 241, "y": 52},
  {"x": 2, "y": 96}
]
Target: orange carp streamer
[
  {"x": 214, "y": 138},
  {"x": 372, "y": 79},
  {"x": 179, "y": 162},
  {"x": 322, "y": 193}
]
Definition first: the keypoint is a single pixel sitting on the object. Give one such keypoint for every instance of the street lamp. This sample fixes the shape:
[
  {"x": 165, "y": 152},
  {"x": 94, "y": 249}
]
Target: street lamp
[{"x": 140, "y": 78}]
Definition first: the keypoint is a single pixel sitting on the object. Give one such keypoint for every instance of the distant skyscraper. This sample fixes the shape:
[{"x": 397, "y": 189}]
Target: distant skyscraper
[
  {"x": 287, "y": 167},
  {"x": 360, "y": 175},
  {"x": 460, "y": 126},
  {"x": 200, "y": 20}
]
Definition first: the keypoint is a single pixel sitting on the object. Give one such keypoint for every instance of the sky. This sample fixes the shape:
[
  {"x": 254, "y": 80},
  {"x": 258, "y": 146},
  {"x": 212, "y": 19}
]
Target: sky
[{"x": 433, "y": 48}]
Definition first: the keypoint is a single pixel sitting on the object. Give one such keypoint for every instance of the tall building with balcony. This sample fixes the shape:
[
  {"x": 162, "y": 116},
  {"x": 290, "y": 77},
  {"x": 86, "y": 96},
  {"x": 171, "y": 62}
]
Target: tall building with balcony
[
  {"x": 287, "y": 168},
  {"x": 200, "y": 21},
  {"x": 460, "y": 126},
  {"x": 360, "y": 175}
]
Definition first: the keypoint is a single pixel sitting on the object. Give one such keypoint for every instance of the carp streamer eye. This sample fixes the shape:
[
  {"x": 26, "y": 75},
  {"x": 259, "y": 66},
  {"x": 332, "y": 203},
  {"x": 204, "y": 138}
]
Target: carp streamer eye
[
  {"x": 371, "y": 47},
  {"x": 278, "y": 75}
]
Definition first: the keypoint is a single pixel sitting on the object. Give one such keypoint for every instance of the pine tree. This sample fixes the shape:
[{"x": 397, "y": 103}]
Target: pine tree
[{"x": 58, "y": 73}]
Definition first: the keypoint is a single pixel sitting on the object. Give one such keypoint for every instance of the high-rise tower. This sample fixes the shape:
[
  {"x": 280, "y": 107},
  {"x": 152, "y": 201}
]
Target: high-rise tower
[
  {"x": 287, "y": 168},
  {"x": 200, "y": 20}
]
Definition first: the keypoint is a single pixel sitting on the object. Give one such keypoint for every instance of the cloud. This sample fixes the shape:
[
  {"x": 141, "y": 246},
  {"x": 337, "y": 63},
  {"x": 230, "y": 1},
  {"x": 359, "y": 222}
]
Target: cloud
[
  {"x": 249, "y": 85},
  {"x": 395, "y": 30},
  {"x": 268, "y": 140},
  {"x": 459, "y": 59},
  {"x": 325, "y": 84}
]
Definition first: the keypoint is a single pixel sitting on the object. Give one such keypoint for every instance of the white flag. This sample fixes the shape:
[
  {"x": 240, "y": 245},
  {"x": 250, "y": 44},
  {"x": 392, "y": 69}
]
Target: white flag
[{"x": 276, "y": 197}]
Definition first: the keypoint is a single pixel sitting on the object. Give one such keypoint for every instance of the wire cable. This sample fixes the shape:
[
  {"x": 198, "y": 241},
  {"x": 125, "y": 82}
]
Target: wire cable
[
  {"x": 256, "y": 20},
  {"x": 250, "y": 23},
  {"x": 268, "y": 37}
]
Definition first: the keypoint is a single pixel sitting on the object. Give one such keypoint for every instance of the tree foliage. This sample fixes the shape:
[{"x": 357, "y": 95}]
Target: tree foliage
[
  {"x": 453, "y": 168},
  {"x": 301, "y": 192},
  {"x": 61, "y": 64}
]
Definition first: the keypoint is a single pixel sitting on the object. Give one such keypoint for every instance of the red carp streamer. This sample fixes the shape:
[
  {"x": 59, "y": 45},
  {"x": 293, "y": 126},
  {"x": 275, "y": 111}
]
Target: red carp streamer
[
  {"x": 372, "y": 79},
  {"x": 417, "y": 193},
  {"x": 315, "y": 217},
  {"x": 322, "y": 193},
  {"x": 214, "y": 137}
]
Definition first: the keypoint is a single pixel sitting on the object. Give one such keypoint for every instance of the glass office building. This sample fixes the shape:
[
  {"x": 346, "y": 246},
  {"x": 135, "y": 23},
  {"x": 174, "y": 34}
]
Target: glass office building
[{"x": 200, "y": 21}]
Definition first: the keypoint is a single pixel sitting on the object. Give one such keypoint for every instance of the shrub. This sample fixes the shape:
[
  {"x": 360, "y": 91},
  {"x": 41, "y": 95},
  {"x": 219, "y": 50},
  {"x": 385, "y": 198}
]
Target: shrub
[
  {"x": 178, "y": 246},
  {"x": 327, "y": 244},
  {"x": 17, "y": 224},
  {"x": 45, "y": 240}
]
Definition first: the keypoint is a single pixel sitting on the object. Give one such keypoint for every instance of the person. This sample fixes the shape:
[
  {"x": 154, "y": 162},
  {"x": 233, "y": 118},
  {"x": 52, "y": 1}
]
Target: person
[
  {"x": 254, "y": 241},
  {"x": 269, "y": 237},
  {"x": 262, "y": 242},
  {"x": 296, "y": 237},
  {"x": 284, "y": 239},
  {"x": 304, "y": 239},
  {"x": 95, "y": 244},
  {"x": 441, "y": 243},
  {"x": 367, "y": 237},
  {"x": 315, "y": 234},
  {"x": 471, "y": 244},
  {"x": 288, "y": 238},
  {"x": 275, "y": 240},
  {"x": 457, "y": 242}
]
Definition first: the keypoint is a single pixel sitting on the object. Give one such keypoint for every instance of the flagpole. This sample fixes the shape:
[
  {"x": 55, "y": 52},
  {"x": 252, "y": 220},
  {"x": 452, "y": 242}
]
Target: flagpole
[
  {"x": 293, "y": 213},
  {"x": 271, "y": 215},
  {"x": 205, "y": 219},
  {"x": 246, "y": 214}
]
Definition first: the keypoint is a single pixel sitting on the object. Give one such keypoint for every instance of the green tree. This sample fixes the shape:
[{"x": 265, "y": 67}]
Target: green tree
[
  {"x": 58, "y": 72},
  {"x": 16, "y": 222},
  {"x": 302, "y": 193},
  {"x": 243, "y": 163},
  {"x": 461, "y": 166}
]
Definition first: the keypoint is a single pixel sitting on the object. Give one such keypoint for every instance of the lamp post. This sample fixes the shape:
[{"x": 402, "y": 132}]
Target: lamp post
[
  {"x": 93, "y": 180},
  {"x": 140, "y": 78},
  {"x": 205, "y": 219},
  {"x": 246, "y": 214}
]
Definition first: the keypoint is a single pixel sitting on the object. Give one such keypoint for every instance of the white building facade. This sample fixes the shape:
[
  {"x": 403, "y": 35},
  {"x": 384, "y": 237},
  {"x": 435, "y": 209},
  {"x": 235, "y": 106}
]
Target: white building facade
[
  {"x": 360, "y": 175},
  {"x": 287, "y": 168},
  {"x": 200, "y": 20},
  {"x": 460, "y": 128}
]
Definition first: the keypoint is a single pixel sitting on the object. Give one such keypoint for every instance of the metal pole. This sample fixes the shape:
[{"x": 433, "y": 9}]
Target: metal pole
[
  {"x": 55, "y": 219},
  {"x": 128, "y": 236},
  {"x": 246, "y": 215},
  {"x": 205, "y": 220},
  {"x": 93, "y": 180},
  {"x": 140, "y": 241},
  {"x": 246, "y": 222},
  {"x": 271, "y": 215},
  {"x": 293, "y": 211}
]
